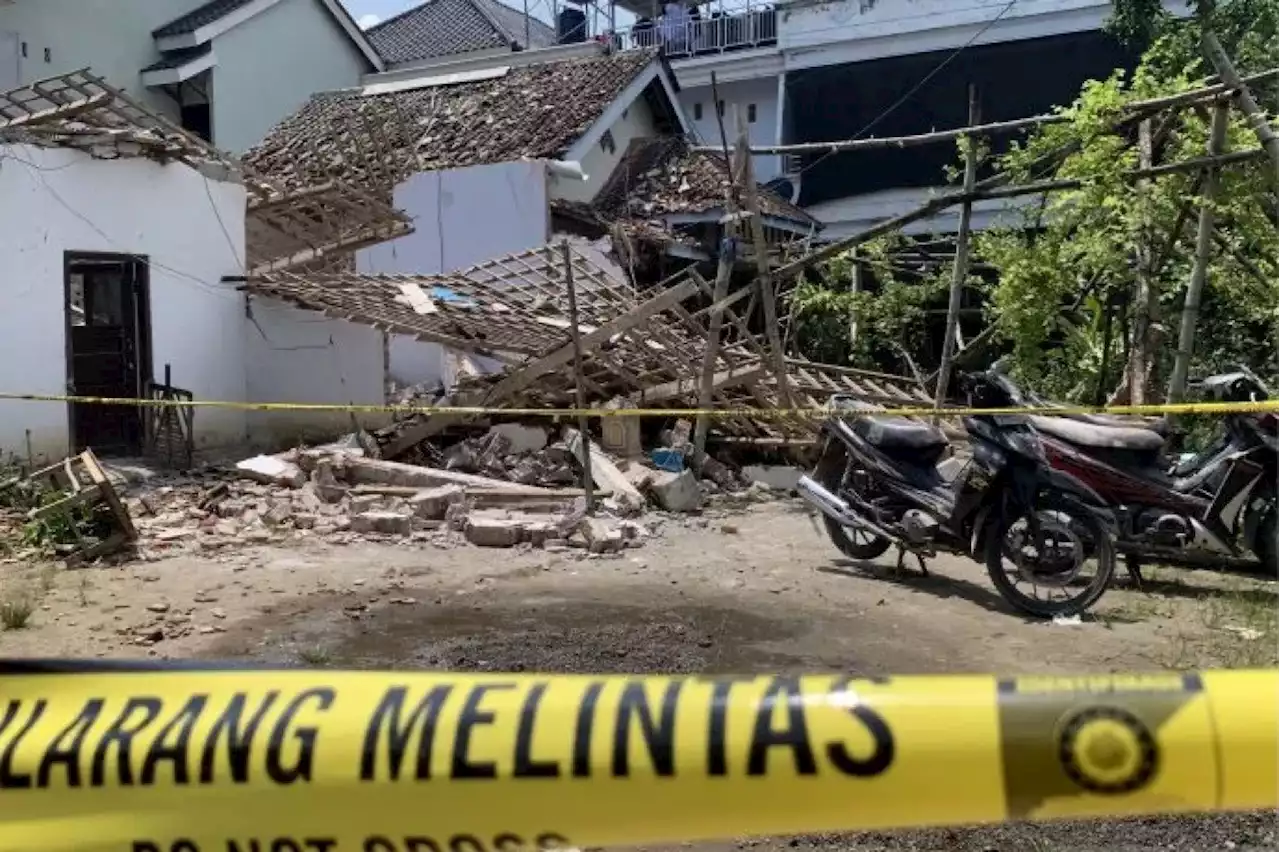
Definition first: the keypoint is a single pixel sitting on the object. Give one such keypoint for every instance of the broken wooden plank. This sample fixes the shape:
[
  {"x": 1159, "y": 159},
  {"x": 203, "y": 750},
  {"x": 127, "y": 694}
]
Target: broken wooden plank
[{"x": 733, "y": 377}]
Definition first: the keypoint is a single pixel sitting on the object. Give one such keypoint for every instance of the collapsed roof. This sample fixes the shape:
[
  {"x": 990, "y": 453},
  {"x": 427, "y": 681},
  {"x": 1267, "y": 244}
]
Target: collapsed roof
[
  {"x": 285, "y": 226},
  {"x": 380, "y": 135},
  {"x": 451, "y": 27}
]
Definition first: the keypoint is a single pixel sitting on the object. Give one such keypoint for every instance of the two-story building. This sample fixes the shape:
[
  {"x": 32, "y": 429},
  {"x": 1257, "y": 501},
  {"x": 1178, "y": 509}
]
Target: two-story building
[
  {"x": 227, "y": 70},
  {"x": 807, "y": 71}
]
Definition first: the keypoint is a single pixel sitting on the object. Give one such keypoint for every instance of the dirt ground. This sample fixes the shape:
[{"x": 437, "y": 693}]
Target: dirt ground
[{"x": 759, "y": 590}]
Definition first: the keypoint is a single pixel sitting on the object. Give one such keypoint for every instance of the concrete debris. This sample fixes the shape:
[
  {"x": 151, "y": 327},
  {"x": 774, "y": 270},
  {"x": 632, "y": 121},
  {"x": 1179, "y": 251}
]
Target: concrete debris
[
  {"x": 677, "y": 492},
  {"x": 387, "y": 523},
  {"x": 521, "y": 438},
  {"x": 272, "y": 470},
  {"x": 493, "y": 532},
  {"x": 777, "y": 477},
  {"x": 432, "y": 503}
]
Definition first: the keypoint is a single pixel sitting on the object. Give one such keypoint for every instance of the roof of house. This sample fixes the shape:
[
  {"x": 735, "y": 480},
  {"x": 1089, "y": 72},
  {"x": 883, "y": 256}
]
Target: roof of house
[
  {"x": 659, "y": 177},
  {"x": 178, "y": 58},
  {"x": 449, "y": 27},
  {"x": 199, "y": 17},
  {"x": 210, "y": 13},
  {"x": 533, "y": 111}
]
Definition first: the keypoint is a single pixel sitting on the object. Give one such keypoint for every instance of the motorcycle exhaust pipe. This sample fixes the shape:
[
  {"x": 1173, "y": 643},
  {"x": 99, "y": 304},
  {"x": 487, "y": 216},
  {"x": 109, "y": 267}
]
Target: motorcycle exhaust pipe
[{"x": 838, "y": 509}]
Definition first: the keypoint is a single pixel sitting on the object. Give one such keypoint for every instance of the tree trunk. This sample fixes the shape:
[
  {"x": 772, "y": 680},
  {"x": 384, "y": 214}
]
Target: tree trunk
[
  {"x": 1204, "y": 243},
  {"x": 1136, "y": 386}
]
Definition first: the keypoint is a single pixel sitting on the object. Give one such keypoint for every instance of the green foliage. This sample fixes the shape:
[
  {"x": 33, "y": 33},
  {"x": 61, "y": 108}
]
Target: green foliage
[
  {"x": 1053, "y": 286},
  {"x": 891, "y": 311}
]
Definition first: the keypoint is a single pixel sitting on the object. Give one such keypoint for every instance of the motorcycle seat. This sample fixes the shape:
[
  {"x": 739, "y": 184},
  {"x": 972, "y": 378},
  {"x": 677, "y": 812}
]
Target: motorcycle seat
[
  {"x": 1159, "y": 425},
  {"x": 899, "y": 432},
  {"x": 1093, "y": 435}
]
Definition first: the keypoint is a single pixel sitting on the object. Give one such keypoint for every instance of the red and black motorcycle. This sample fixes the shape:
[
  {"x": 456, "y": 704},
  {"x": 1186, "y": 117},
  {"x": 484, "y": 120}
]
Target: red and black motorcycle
[{"x": 1216, "y": 509}]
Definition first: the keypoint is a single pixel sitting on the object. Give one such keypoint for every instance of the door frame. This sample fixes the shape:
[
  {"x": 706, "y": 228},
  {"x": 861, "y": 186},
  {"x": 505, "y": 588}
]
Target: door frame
[{"x": 141, "y": 302}]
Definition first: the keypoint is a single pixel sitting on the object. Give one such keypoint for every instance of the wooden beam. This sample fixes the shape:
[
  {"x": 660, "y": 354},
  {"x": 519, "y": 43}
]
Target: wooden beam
[
  {"x": 525, "y": 376},
  {"x": 733, "y": 377}
]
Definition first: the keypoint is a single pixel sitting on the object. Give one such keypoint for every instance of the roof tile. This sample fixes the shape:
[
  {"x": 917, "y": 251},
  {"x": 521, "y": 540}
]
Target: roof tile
[
  {"x": 448, "y": 27},
  {"x": 199, "y": 17},
  {"x": 531, "y": 111}
]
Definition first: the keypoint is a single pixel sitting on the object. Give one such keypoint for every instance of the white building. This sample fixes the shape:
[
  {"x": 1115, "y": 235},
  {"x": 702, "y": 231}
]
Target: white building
[
  {"x": 225, "y": 69},
  {"x": 806, "y": 71}
]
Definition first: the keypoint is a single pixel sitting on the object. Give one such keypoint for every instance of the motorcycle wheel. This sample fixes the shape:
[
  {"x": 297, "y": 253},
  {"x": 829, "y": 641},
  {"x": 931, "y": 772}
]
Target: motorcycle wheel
[
  {"x": 853, "y": 543},
  {"x": 1089, "y": 537}
]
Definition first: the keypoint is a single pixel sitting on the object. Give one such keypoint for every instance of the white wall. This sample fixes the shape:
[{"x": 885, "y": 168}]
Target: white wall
[
  {"x": 846, "y": 216},
  {"x": 461, "y": 217},
  {"x": 294, "y": 355},
  {"x": 858, "y": 30},
  {"x": 636, "y": 122},
  {"x": 741, "y": 94},
  {"x": 269, "y": 66},
  {"x": 53, "y": 201},
  {"x": 111, "y": 37}
]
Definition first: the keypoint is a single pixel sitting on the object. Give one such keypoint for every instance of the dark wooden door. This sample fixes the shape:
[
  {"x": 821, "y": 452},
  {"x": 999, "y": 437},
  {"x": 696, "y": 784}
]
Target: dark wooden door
[{"x": 107, "y": 350}]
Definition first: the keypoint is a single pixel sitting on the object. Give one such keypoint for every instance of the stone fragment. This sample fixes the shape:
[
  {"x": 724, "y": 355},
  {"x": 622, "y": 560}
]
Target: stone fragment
[
  {"x": 677, "y": 492},
  {"x": 521, "y": 438},
  {"x": 433, "y": 503},
  {"x": 390, "y": 523},
  {"x": 493, "y": 532},
  {"x": 272, "y": 470}
]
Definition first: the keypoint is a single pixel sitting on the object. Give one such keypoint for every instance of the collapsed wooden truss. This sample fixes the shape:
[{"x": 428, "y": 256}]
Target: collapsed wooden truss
[
  {"x": 286, "y": 228},
  {"x": 645, "y": 348}
]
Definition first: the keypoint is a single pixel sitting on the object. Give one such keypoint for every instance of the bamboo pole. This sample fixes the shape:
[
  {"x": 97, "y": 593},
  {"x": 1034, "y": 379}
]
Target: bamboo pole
[
  {"x": 1258, "y": 120},
  {"x": 579, "y": 396},
  {"x": 961, "y": 268},
  {"x": 1204, "y": 244},
  {"x": 764, "y": 275},
  {"x": 1146, "y": 295}
]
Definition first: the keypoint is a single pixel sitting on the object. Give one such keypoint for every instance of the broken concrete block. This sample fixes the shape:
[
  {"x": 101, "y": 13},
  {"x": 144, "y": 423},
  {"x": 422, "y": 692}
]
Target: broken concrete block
[
  {"x": 494, "y": 532},
  {"x": 605, "y": 474},
  {"x": 717, "y": 472},
  {"x": 279, "y": 512},
  {"x": 639, "y": 475},
  {"x": 365, "y": 503},
  {"x": 601, "y": 537},
  {"x": 432, "y": 503},
  {"x": 304, "y": 521},
  {"x": 390, "y": 523},
  {"x": 521, "y": 438},
  {"x": 325, "y": 482},
  {"x": 776, "y": 476},
  {"x": 272, "y": 470},
  {"x": 677, "y": 492}
]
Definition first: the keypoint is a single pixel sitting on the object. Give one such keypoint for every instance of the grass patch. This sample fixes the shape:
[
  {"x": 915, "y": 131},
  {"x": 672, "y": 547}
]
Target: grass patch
[
  {"x": 1239, "y": 628},
  {"x": 16, "y": 609},
  {"x": 315, "y": 656}
]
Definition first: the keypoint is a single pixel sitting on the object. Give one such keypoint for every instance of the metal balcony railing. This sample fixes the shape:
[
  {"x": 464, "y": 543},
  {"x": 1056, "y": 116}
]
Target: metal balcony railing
[{"x": 695, "y": 37}]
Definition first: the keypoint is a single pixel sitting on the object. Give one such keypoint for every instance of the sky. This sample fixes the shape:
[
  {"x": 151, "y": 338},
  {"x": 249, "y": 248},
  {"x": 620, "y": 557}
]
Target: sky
[{"x": 369, "y": 12}]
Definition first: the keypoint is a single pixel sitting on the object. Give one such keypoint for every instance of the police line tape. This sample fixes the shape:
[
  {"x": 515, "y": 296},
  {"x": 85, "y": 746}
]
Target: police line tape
[
  {"x": 1260, "y": 407},
  {"x": 179, "y": 758}
]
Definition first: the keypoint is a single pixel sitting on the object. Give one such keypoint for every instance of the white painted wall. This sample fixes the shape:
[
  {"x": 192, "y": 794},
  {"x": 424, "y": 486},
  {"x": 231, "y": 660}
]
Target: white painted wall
[
  {"x": 53, "y": 201},
  {"x": 111, "y": 37},
  {"x": 741, "y": 94},
  {"x": 461, "y": 217},
  {"x": 846, "y": 216},
  {"x": 858, "y": 30},
  {"x": 270, "y": 65},
  {"x": 294, "y": 355},
  {"x": 10, "y": 60},
  {"x": 636, "y": 122}
]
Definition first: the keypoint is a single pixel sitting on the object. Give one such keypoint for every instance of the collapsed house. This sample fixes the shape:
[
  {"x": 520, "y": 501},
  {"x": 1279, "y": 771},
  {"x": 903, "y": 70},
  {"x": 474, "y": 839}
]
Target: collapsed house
[{"x": 123, "y": 238}]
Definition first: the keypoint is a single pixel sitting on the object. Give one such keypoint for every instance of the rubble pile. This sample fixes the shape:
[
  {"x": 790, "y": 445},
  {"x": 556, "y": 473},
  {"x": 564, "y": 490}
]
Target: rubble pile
[{"x": 511, "y": 486}]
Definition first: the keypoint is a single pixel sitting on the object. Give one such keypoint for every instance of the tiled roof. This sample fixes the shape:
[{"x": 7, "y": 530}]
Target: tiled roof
[
  {"x": 178, "y": 58},
  {"x": 534, "y": 111},
  {"x": 448, "y": 27},
  {"x": 199, "y": 17},
  {"x": 663, "y": 176}
]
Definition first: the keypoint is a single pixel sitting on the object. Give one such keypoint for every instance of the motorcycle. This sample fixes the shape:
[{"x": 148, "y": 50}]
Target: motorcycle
[
  {"x": 882, "y": 481},
  {"x": 1206, "y": 510}
]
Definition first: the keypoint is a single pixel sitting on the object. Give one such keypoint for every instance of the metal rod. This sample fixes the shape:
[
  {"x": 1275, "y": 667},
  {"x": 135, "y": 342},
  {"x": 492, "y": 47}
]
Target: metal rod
[{"x": 579, "y": 396}]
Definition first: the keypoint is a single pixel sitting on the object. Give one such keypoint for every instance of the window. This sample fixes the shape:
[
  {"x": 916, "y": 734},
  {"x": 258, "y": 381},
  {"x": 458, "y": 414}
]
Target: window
[
  {"x": 48, "y": 55},
  {"x": 24, "y": 50},
  {"x": 607, "y": 143},
  {"x": 751, "y": 113},
  {"x": 697, "y": 111}
]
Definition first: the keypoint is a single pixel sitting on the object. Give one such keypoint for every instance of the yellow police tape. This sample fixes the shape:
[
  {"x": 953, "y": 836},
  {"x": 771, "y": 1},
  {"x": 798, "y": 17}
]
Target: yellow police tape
[
  {"x": 194, "y": 760},
  {"x": 1261, "y": 407}
]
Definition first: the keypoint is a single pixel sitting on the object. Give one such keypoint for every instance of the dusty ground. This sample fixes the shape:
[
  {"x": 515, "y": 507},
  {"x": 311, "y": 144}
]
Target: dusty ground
[{"x": 754, "y": 591}]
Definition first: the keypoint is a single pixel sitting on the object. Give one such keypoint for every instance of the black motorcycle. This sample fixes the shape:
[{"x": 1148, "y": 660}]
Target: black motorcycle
[
  {"x": 1211, "y": 509},
  {"x": 884, "y": 481}
]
